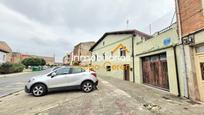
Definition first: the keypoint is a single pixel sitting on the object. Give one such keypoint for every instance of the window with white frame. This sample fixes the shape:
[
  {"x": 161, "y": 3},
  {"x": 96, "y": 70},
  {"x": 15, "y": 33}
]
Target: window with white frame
[{"x": 122, "y": 52}]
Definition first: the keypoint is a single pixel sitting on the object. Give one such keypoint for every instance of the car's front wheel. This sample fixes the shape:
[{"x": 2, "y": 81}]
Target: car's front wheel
[
  {"x": 87, "y": 86},
  {"x": 38, "y": 90}
]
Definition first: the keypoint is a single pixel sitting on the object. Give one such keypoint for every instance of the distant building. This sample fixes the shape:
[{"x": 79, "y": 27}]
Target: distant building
[
  {"x": 5, "y": 50},
  {"x": 82, "y": 49},
  {"x": 49, "y": 60},
  {"x": 66, "y": 59},
  {"x": 18, "y": 57}
]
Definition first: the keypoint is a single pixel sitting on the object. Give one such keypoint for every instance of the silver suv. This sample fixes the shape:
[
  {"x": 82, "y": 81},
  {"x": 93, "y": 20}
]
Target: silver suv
[{"x": 61, "y": 79}]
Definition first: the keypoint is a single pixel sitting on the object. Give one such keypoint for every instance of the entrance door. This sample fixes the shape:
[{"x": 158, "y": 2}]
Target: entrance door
[
  {"x": 155, "y": 72},
  {"x": 200, "y": 75},
  {"x": 127, "y": 72}
]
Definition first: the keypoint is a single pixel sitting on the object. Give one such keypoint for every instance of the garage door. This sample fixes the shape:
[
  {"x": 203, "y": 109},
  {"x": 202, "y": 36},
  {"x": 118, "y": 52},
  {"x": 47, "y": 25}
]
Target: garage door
[{"x": 155, "y": 71}]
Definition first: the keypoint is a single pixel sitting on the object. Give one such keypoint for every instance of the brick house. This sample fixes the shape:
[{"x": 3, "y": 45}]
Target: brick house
[
  {"x": 82, "y": 49},
  {"x": 190, "y": 18},
  {"x": 18, "y": 57}
]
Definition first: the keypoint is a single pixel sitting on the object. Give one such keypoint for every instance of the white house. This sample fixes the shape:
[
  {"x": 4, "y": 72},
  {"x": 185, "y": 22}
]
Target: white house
[
  {"x": 113, "y": 54},
  {"x": 4, "y": 52}
]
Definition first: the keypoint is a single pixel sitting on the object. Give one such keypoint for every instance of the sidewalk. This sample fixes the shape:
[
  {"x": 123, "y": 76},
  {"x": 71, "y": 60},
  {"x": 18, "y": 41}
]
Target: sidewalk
[
  {"x": 156, "y": 100},
  {"x": 12, "y": 74},
  {"x": 15, "y": 74}
]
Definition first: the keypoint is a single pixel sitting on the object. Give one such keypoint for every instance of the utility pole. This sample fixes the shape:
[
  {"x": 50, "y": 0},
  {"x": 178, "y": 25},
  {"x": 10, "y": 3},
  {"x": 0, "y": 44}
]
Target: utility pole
[{"x": 150, "y": 29}]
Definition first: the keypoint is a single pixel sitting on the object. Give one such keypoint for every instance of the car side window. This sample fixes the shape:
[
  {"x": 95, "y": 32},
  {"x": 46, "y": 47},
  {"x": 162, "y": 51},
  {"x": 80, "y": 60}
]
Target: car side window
[
  {"x": 77, "y": 70},
  {"x": 62, "y": 71}
]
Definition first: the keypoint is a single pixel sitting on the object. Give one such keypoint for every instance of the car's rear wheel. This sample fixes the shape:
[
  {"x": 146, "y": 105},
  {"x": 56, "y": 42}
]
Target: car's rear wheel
[
  {"x": 87, "y": 86},
  {"x": 39, "y": 90}
]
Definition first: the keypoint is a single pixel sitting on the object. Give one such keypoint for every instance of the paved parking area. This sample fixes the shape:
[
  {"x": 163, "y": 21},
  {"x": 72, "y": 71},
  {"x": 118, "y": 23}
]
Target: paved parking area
[
  {"x": 15, "y": 82},
  {"x": 113, "y": 97}
]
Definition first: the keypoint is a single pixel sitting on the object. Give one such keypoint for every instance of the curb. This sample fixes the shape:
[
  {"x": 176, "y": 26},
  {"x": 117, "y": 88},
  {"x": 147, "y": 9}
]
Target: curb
[
  {"x": 13, "y": 74},
  {"x": 10, "y": 93}
]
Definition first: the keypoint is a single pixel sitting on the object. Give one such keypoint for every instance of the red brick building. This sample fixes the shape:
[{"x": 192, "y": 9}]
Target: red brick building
[
  {"x": 190, "y": 18},
  {"x": 18, "y": 57},
  {"x": 82, "y": 49}
]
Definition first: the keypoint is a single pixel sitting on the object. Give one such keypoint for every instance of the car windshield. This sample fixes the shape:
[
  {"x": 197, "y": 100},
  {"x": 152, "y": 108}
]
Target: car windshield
[{"x": 55, "y": 68}]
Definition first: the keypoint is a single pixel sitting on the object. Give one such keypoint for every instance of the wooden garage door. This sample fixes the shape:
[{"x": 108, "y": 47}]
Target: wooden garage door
[{"x": 155, "y": 71}]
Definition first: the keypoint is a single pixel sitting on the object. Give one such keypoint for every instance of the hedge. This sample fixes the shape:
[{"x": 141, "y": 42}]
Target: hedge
[{"x": 7, "y": 68}]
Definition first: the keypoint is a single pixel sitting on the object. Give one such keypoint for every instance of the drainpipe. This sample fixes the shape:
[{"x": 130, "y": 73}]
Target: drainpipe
[
  {"x": 183, "y": 50},
  {"x": 133, "y": 56},
  {"x": 177, "y": 76}
]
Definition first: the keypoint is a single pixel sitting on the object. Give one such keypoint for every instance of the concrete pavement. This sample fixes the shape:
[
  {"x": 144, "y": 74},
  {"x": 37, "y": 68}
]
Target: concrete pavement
[
  {"x": 15, "y": 82},
  {"x": 113, "y": 97}
]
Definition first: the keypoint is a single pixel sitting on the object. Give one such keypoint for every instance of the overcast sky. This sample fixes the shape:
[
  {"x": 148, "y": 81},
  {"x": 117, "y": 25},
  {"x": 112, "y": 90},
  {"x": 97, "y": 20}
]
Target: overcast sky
[{"x": 48, "y": 27}]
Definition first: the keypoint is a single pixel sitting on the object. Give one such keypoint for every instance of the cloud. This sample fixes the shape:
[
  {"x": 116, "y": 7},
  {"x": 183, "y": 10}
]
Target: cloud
[{"x": 45, "y": 27}]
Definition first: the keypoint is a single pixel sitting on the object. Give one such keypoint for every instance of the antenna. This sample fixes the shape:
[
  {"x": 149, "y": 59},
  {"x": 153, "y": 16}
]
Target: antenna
[
  {"x": 127, "y": 23},
  {"x": 150, "y": 29},
  {"x": 172, "y": 20},
  {"x": 54, "y": 56}
]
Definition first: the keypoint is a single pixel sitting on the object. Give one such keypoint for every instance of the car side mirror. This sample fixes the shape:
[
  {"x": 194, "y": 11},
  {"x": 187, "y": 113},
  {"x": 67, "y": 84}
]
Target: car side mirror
[{"x": 53, "y": 74}]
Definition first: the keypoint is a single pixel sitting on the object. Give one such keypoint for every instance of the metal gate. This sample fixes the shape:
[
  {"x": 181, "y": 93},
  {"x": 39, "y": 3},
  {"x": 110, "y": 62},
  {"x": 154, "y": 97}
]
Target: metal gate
[{"x": 155, "y": 71}]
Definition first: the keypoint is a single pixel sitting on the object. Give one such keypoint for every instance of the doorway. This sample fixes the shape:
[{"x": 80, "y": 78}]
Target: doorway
[
  {"x": 127, "y": 72},
  {"x": 200, "y": 74},
  {"x": 155, "y": 71}
]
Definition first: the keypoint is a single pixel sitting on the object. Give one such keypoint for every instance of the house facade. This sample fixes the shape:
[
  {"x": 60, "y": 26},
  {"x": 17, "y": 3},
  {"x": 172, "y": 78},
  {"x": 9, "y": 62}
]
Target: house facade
[
  {"x": 154, "y": 61},
  {"x": 113, "y": 54},
  {"x": 5, "y": 50},
  {"x": 158, "y": 62},
  {"x": 2, "y": 57},
  {"x": 190, "y": 20}
]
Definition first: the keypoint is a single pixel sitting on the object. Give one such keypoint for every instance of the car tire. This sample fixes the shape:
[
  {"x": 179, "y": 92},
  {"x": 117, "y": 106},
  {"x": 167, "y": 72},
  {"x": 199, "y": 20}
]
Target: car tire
[
  {"x": 39, "y": 90},
  {"x": 87, "y": 86}
]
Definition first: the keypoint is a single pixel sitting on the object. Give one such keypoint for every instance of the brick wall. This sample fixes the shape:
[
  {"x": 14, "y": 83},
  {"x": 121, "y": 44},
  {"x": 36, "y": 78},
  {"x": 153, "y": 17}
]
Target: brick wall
[
  {"x": 83, "y": 49},
  {"x": 192, "y": 16}
]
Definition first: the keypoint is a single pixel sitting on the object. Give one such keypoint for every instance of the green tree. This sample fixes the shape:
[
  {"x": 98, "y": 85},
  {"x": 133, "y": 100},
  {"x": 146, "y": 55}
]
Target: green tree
[
  {"x": 34, "y": 62},
  {"x": 26, "y": 62},
  {"x": 43, "y": 62}
]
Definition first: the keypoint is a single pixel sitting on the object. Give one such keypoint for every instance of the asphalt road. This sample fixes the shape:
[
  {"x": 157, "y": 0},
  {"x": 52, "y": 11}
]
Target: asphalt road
[
  {"x": 14, "y": 83},
  {"x": 113, "y": 97}
]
